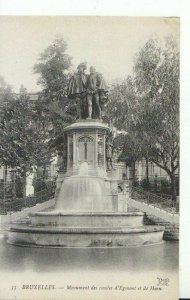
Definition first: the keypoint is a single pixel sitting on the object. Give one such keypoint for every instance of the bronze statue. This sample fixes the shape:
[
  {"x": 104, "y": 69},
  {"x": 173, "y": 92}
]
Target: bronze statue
[
  {"x": 88, "y": 90},
  {"x": 102, "y": 91},
  {"x": 96, "y": 92},
  {"x": 92, "y": 92},
  {"x": 77, "y": 87}
]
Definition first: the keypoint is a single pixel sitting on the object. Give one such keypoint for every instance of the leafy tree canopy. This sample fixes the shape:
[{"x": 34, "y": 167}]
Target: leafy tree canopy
[
  {"x": 24, "y": 136},
  {"x": 53, "y": 68},
  {"x": 146, "y": 104},
  {"x": 6, "y": 92}
]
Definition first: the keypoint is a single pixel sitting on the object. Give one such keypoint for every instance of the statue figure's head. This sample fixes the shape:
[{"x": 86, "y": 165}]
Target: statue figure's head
[
  {"x": 82, "y": 67},
  {"x": 92, "y": 70}
]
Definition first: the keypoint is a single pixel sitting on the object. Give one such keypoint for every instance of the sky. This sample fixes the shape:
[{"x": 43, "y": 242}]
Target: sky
[{"x": 108, "y": 43}]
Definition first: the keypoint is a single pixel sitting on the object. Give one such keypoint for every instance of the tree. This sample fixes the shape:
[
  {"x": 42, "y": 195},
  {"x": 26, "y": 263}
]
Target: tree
[
  {"x": 130, "y": 152},
  {"x": 120, "y": 110},
  {"x": 23, "y": 93},
  {"x": 53, "y": 69},
  {"x": 24, "y": 137},
  {"x": 6, "y": 93},
  {"x": 157, "y": 87},
  {"x": 149, "y": 100},
  {"x": 53, "y": 103}
]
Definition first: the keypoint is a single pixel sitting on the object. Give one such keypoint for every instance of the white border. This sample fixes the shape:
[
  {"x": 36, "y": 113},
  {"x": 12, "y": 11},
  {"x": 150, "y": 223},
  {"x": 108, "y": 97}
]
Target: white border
[
  {"x": 137, "y": 8},
  {"x": 91, "y": 7}
]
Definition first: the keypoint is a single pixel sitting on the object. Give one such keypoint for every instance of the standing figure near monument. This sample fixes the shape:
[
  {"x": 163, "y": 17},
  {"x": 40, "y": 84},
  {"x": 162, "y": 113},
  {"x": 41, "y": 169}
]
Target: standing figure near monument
[
  {"x": 109, "y": 153},
  {"x": 77, "y": 87},
  {"x": 96, "y": 91},
  {"x": 102, "y": 91},
  {"x": 92, "y": 93}
]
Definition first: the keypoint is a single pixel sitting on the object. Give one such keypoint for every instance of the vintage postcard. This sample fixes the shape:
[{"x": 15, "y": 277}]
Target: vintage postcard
[{"x": 89, "y": 157}]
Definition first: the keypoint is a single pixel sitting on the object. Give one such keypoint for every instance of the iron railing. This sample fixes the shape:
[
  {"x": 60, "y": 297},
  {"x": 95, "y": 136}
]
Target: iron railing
[
  {"x": 164, "y": 203},
  {"x": 17, "y": 204}
]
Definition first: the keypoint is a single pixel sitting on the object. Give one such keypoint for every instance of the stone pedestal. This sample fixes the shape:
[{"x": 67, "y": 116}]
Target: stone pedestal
[{"x": 86, "y": 143}]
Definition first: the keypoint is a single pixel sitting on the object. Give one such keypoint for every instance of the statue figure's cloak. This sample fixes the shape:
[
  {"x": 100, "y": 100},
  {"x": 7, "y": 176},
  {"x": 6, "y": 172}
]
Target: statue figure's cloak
[
  {"x": 102, "y": 86},
  {"x": 77, "y": 85}
]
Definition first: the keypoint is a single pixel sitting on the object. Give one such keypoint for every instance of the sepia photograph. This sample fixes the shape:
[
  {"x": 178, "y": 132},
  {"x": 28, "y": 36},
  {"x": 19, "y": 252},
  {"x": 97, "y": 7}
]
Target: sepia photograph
[{"x": 89, "y": 157}]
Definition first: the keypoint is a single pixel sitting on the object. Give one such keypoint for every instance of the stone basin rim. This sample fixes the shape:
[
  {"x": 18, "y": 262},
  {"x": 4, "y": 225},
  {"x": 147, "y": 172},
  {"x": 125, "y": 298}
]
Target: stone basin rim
[
  {"x": 29, "y": 245},
  {"x": 75, "y": 213},
  {"x": 86, "y": 230}
]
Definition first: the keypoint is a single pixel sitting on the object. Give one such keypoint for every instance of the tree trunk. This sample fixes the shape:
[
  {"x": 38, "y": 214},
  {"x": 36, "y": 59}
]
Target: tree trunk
[
  {"x": 173, "y": 183},
  {"x": 44, "y": 172},
  {"x": 173, "y": 189},
  {"x": 5, "y": 173},
  {"x": 132, "y": 171},
  {"x": 147, "y": 172},
  {"x": 24, "y": 182}
]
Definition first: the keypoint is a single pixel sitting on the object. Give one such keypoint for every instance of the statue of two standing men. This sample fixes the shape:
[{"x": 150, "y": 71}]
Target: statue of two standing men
[{"x": 89, "y": 91}]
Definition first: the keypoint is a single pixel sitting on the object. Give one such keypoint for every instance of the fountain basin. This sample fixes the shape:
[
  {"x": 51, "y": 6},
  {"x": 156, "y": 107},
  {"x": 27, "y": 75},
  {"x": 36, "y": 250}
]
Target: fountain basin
[{"x": 84, "y": 237}]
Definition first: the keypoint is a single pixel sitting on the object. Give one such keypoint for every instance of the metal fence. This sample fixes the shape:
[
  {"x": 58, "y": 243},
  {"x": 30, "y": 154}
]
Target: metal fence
[
  {"x": 164, "y": 203},
  {"x": 10, "y": 204}
]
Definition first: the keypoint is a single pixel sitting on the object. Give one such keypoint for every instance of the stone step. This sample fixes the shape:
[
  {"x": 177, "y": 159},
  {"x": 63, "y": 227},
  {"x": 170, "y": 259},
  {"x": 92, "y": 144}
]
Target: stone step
[
  {"x": 85, "y": 219},
  {"x": 62, "y": 229}
]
